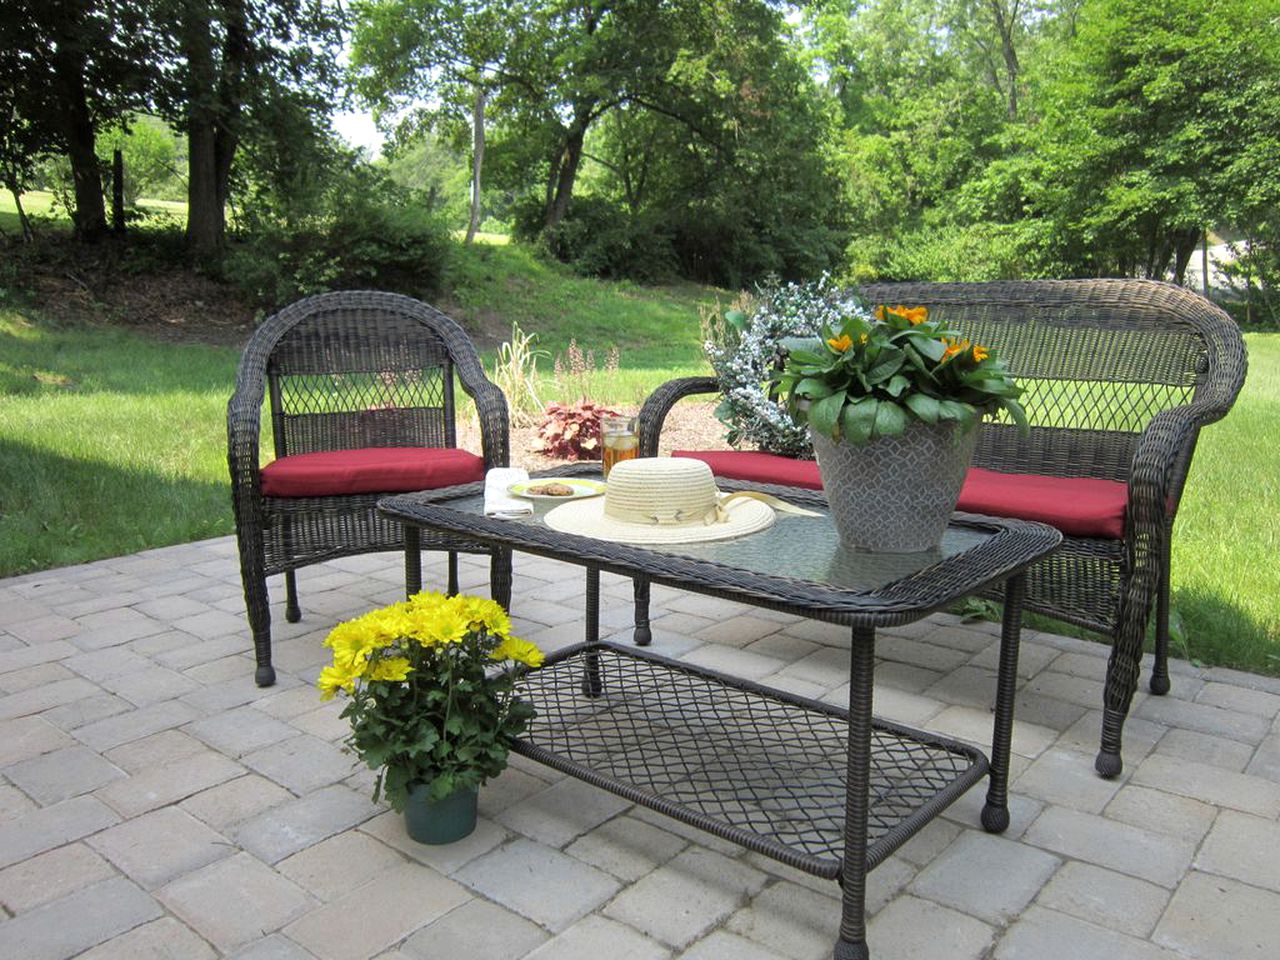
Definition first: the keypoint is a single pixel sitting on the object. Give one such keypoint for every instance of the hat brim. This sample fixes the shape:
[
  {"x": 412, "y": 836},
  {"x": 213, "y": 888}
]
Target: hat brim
[{"x": 586, "y": 518}]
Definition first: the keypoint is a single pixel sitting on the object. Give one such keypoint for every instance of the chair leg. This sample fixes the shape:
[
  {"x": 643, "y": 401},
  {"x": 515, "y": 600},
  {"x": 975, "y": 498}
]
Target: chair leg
[
  {"x": 257, "y": 603},
  {"x": 412, "y": 560},
  {"x": 643, "y": 635},
  {"x": 1123, "y": 669},
  {"x": 292, "y": 612},
  {"x": 1159, "y": 683},
  {"x": 453, "y": 573}
]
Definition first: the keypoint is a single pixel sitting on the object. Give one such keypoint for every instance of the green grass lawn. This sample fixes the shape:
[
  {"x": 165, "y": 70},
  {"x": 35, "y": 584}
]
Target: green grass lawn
[{"x": 111, "y": 442}]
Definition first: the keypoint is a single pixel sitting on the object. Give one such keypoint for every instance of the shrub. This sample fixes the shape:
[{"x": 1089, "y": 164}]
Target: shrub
[
  {"x": 572, "y": 431},
  {"x": 599, "y": 238},
  {"x": 367, "y": 244},
  {"x": 515, "y": 371}
]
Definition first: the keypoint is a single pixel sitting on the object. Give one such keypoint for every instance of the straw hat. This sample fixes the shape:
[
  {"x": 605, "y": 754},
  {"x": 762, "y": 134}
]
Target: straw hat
[{"x": 668, "y": 500}]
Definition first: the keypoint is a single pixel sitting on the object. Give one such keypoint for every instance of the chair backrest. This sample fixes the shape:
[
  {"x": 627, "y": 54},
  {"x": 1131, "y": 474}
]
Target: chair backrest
[
  {"x": 1097, "y": 360},
  {"x": 362, "y": 369}
]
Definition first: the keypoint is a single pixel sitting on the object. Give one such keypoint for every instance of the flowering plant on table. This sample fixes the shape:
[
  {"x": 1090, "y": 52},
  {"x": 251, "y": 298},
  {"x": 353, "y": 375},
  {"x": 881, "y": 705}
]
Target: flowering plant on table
[
  {"x": 871, "y": 373},
  {"x": 430, "y": 700}
]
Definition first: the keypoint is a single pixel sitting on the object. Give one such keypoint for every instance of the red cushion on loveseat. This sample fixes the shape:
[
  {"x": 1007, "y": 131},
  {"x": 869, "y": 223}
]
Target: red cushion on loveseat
[
  {"x": 335, "y": 473},
  {"x": 1078, "y": 506},
  {"x": 753, "y": 466}
]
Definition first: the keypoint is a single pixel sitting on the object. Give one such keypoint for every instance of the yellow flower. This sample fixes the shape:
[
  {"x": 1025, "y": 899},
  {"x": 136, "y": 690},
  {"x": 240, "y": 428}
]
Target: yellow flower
[
  {"x": 913, "y": 315},
  {"x": 841, "y": 343},
  {"x": 445, "y": 624},
  {"x": 521, "y": 651},
  {"x": 880, "y": 313},
  {"x": 392, "y": 668},
  {"x": 486, "y": 613},
  {"x": 980, "y": 353},
  {"x": 332, "y": 680},
  {"x": 954, "y": 347}
]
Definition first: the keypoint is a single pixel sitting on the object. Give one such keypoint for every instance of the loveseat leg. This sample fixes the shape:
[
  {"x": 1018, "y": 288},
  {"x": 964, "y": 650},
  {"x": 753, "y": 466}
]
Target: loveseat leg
[
  {"x": 1159, "y": 682},
  {"x": 1108, "y": 763},
  {"x": 453, "y": 573},
  {"x": 292, "y": 612}
]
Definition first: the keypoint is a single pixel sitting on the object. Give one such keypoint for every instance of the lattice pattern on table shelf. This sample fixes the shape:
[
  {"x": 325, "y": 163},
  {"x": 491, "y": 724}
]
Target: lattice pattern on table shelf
[{"x": 739, "y": 756}]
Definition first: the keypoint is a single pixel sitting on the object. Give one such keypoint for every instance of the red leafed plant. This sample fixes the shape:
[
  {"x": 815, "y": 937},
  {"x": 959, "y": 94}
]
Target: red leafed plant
[{"x": 572, "y": 431}]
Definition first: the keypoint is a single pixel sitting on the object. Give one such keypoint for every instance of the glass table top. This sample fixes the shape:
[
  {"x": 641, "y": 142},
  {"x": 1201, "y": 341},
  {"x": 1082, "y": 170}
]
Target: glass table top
[{"x": 798, "y": 547}]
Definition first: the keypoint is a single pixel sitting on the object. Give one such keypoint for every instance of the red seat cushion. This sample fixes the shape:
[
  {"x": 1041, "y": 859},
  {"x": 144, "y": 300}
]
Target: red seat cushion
[
  {"x": 753, "y": 466},
  {"x": 1078, "y": 506},
  {"x": 335, "y": 473}
]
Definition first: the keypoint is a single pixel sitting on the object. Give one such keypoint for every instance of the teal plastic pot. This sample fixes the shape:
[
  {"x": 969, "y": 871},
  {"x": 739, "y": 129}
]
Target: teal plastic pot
[{"x": 440, "y": 821}]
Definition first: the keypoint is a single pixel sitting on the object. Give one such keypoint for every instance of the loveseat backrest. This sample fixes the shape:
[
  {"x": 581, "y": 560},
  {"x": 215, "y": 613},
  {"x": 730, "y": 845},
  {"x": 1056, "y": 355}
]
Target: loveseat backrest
[
  {"x": 358, "y": 371},
  {"x": 1097, "y": 360}
]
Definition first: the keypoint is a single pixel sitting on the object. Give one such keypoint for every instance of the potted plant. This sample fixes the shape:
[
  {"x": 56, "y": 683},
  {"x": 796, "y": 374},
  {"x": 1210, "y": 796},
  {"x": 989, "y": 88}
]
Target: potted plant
[
  {"x": 893, "y": 400},
  {"x": 431, "y": 707}
]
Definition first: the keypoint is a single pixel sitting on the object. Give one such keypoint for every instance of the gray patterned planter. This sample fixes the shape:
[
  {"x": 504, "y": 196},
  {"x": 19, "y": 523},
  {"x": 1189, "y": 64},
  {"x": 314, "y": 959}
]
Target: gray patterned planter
[{"x": 895, "y": 494}]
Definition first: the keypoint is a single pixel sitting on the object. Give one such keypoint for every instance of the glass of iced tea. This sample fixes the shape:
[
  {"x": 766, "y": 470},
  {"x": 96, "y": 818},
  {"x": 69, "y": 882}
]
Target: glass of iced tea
[{"x": 621, "y": 442}]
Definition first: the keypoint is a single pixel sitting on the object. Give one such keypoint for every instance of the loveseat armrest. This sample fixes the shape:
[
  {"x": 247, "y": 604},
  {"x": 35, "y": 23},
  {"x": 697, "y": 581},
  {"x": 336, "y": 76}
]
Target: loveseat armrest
[
  {"x": 654, "y": 412},
  {"x": 244, "y": 429},
  {"x": 495, "y": 422},
  {"x": 1159, "y": 468}
]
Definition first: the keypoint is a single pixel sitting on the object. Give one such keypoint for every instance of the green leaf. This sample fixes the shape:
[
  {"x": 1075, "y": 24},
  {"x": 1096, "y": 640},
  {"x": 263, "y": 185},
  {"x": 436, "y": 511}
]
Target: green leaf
[
  {"x": 736, "y": 319},
  {"x": 1019, "y": 415},
  {"x": 824, "y": 415},
  {"x": 891, "y": 420},
  {"x": 858, "y": 419},
  {"x": 929, "y": 347},
  {"x": 888, "y": 363},
  {"x": 813, "y": 388},
  {"x": 897, "y": 383},
  {"x": 925, "y": 407}
]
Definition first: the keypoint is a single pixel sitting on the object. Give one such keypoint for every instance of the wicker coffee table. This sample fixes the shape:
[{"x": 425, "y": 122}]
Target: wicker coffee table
[{"x": 827, "y": 790}]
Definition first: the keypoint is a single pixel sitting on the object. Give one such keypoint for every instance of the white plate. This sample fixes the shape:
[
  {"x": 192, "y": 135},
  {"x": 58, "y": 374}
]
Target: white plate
[{"x": 581, "y": 489}]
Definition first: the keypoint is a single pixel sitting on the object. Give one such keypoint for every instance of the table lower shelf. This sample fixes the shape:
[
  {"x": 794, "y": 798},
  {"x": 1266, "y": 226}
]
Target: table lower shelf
[{"x": 756, "y": 766}]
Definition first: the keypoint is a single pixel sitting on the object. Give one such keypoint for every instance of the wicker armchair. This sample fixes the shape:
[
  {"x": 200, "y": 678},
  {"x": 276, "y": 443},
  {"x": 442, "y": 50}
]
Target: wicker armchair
[
  {"x": 360, "y": 388},
  {"x": 1120, "y": 375}
]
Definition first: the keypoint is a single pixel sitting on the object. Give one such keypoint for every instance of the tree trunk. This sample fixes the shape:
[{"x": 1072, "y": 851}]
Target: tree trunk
[
  {"x": 1185, "y": 242},
  {"x": 1204, "y": 261},
  {"x": 1006, "y": 23},
  {"x": 477, "y": 161},
  {"x": 215, "y": 98},
  {"x": 117, "y": 191},
  {"x": 568, "y": 174},
  {"x": 90, "y": 215},
  {"x": 23, "y": 221}
]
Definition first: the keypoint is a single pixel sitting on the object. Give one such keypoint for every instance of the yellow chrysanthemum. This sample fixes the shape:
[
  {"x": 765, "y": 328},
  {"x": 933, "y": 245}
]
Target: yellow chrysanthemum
[
  {"x": 841, "y": 343},
  {"x": 332, "y": 679},
  {"x": 486, "y": 613},
  {"x": 392, "y": 668},
  {"x": 521, "y": 651},
  {"x": 444, "y": 624}
]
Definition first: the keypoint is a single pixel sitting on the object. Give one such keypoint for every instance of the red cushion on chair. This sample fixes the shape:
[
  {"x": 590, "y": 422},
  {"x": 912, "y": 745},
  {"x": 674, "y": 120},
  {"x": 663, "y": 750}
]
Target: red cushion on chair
[
  {"x": 335, "y": 473},
  {"x": 1078, "y": 506},
  {"x": 754, "y": 466}
]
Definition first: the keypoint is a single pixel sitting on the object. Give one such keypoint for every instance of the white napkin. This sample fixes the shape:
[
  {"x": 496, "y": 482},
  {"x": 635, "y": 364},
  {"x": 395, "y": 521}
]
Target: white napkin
[{"x": 497, "y": 501}]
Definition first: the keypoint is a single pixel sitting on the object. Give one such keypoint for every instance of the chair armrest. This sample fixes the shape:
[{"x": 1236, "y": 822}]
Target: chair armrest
[
  {"x": 654, "y": 412},
  {"x": 244, "y": 426},
  {"x": 495, "y": 426},
  {"x": 1159, "y": 467}
]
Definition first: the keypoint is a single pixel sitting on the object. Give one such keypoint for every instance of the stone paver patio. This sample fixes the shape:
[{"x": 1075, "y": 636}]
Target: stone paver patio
[{"x": 154, "y": 803}]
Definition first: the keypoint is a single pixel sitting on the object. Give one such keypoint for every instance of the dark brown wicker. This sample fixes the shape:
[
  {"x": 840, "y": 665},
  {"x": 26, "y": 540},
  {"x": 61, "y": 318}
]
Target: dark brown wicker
[
  {"x": 829, "y": 791},
  {"x": 1120, "y": 376},
  {"x": 343, "y": 371}
]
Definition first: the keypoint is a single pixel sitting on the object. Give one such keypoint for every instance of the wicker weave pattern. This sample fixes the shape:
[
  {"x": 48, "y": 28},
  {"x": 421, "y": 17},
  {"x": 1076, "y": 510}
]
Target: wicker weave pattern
[
  {"x": 1120, "y": 377},
  {"x": 342, "y": 371}
]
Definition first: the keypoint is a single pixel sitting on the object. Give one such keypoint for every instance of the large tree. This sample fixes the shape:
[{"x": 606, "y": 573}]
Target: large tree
[
  {"x": 74, "y": 66},
  {"x": 231, "y": 60}
]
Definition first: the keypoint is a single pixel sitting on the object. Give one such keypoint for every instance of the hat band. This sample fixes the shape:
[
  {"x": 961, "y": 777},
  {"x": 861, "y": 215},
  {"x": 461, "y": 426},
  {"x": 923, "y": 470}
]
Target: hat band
[{"x": 668, "y": 518}]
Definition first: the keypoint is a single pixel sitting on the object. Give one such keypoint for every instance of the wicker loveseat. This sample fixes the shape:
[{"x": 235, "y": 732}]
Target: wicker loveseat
[
  {"x": 360, "y": 390},
  {"x": 1120, "y": 375}
]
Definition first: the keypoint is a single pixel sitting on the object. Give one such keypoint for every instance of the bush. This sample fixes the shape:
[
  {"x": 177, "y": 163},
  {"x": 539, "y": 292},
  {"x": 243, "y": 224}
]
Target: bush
[
  {"x": 949, "y": 252},
  {"x": 364, "y": 245},
  {"x": 598, "y": 238}
]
